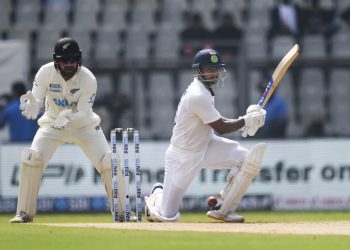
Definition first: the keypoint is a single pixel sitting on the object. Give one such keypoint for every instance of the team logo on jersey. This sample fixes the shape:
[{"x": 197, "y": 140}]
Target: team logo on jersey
[
  {"x": 73, "y": 91},
  {"x": 61, "y": 102},
  {"x": 55, "y": 87},
  {"x": 66, "y": 103}
]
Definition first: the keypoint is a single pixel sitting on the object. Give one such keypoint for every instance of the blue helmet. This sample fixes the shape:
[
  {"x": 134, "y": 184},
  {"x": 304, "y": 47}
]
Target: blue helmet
[{"x": 208, "y": 58}]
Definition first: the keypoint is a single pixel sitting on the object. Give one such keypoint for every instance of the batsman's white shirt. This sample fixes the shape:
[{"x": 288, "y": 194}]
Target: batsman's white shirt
[
  {"x": 78, "y": 94},
  {"x": 195, "y": 146},
  {"x": 196, "y": 109}
]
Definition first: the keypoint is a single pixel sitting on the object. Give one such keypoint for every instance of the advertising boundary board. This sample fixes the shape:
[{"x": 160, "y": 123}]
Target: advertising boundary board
[{"x": 295, "y": 175}]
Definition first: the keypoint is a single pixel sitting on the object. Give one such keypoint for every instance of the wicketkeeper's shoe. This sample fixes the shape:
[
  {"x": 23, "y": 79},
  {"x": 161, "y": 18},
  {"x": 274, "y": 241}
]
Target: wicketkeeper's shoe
[
  {"x": 21, "y": 217},
  {"x": 230, "y": 217}
]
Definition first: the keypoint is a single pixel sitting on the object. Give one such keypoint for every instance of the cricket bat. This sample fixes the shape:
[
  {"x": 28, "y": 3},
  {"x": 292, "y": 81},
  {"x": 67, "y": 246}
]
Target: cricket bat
[{"x": 278, "y": 74}]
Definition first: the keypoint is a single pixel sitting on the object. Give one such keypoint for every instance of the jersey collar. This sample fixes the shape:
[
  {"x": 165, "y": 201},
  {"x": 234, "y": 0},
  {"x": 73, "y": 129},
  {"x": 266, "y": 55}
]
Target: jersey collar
[{"x": 205, "y": 86}]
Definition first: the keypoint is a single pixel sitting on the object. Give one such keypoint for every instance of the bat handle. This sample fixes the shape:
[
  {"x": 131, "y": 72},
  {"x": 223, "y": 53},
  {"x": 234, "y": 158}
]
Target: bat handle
[{"x": 265, "y": 96}]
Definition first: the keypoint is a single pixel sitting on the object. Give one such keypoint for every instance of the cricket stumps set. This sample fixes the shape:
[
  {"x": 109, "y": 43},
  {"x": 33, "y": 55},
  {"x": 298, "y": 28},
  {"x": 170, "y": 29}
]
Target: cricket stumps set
[{"x": 123, "y": 135}]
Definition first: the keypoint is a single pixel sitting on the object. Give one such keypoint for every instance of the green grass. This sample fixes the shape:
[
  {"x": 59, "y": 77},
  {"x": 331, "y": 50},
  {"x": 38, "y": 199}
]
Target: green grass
[
  {"x": 277, "y": 216},
  {"x": 31, "y": 236}
]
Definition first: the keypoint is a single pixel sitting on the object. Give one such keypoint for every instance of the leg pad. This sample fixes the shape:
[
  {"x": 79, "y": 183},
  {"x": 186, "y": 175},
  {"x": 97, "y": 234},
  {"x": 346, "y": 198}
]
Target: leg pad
[
  {"x": 31, "y": 172},
  {"x": 250, "y": 168}
]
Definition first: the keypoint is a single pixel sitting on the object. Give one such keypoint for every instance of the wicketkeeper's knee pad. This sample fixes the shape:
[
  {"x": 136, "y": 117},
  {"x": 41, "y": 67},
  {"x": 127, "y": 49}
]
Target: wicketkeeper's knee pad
[
  {"x": 105, "y": 170},
  {"x": 31, "y": 172},
  {"x": 106, "y": 163},
  {"x": 31, "y": 158},
  {"x": 106, "y": 174}
]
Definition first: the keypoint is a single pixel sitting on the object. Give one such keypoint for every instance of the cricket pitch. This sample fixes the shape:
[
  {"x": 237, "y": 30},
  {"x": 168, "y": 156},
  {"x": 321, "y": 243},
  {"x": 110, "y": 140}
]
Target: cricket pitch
[{"x": 298, "y": 228}]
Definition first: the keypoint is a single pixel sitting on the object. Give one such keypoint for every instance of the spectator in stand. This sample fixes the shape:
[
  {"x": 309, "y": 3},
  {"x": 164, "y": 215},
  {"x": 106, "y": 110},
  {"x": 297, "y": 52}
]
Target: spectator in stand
[
  {"x": 227, "y": 36},
  {"x": 195, "y": 36},
  {"x": 315, "y": 128},
  {"x": 319, "y": 21},
  {"x": 276, "y": 115},
  {"x": 286, "y": 19},
  {"x": 345, "y": 17},
  {"x": 60, "y": 3},
  {"x": 21, "y": 129}
]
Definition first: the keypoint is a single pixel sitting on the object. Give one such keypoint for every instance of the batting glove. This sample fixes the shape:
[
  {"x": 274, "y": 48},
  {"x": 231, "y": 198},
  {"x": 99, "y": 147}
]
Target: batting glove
[
  {"x": 253, "y": 121},
  {"x": 253, "y": 108}
]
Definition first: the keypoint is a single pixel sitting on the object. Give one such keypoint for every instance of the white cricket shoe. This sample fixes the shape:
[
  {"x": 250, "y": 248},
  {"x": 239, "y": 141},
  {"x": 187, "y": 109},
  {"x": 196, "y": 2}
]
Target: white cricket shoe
[
  {"x": 156, "y": 186},
  {"x": 21, "y": 217},
  {"x": 149, "y": 217},
  {"x": 230, "y": 217}
]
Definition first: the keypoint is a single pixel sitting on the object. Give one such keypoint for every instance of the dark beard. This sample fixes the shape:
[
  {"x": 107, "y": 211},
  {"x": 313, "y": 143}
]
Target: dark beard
[
  {"x": 210, "y": 83},
  {"x": 68, "y": 74}
]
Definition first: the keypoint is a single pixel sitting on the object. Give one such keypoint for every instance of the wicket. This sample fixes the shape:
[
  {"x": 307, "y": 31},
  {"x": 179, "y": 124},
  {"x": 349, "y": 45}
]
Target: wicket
[{"x": 126, "y": 172}]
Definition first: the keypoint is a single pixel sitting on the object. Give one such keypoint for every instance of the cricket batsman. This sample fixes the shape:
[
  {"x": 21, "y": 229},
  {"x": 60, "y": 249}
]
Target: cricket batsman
[
  {"x": 67, "y": 90},
  {"x": 194, "y": 145}
]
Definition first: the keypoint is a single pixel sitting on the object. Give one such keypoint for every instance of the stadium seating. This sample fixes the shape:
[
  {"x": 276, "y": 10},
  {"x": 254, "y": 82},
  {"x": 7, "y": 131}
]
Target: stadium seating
[
  {"x": 314, "y": 47},
  {"x": 339, "y": 90},
  {"x": 144, "y": 34},
  {"x": 161, "y": 99},
  {"x": 312, "y": 92},
  {"x": 341, "y": 45}
]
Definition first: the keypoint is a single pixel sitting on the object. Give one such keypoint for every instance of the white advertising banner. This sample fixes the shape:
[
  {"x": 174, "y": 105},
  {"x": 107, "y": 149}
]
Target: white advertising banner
[{"x": 301, "y": 174}]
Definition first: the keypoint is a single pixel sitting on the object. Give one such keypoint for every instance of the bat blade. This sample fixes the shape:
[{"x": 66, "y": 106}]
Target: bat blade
[{"x": 278, "y": 74}]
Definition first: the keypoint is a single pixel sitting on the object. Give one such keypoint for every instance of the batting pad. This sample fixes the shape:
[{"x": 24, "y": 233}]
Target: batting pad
[
  {"x": 250, "y": 168},
  {"x": 106, "y": 174},
  {"x": 29, "y": 185}
]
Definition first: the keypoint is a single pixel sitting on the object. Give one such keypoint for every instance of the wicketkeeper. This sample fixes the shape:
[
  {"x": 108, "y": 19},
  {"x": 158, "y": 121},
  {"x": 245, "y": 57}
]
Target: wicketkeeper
[
  {"x": 67, "y": 90},
  {"x": 194, "y": 146}
]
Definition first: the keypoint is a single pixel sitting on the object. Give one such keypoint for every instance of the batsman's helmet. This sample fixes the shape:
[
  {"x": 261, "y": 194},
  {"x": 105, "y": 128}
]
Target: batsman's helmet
[
  {"x": 67, "y": 50},
  {"x": 208, "y": 58}
]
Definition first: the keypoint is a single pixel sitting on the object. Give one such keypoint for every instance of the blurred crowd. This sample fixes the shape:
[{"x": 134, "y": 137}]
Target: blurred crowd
[
  {"x": 114, "y": 34},
  {"x": 20, "y": 129}
]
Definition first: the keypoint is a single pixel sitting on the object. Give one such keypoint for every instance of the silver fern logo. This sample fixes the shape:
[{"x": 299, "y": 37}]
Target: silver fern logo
[{"x": 65, "y": 46}]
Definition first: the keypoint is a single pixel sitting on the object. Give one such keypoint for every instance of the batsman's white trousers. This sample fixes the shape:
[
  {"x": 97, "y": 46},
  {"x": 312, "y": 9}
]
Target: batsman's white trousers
[
  {"x": 90, "y": 139},
  {"x": 181, "y": 167}
]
